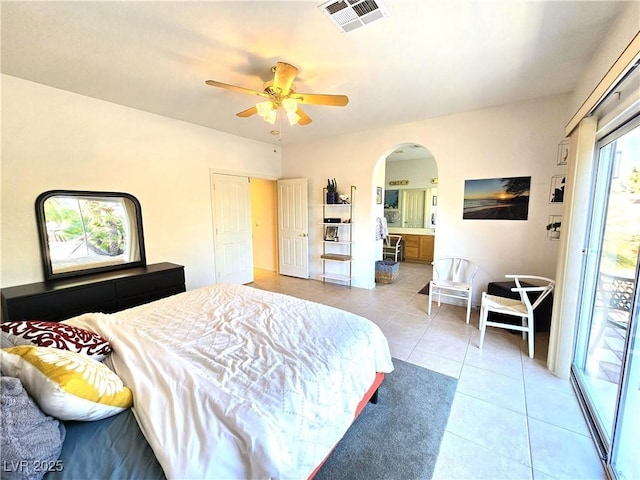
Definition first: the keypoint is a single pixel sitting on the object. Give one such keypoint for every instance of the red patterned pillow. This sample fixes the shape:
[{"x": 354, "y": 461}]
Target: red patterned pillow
[{"x": 56, "y": 335}]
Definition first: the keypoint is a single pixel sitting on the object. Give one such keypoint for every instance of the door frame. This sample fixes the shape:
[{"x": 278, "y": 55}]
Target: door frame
[
  {"x": 606, "y": 443},
  {"x": 237, "y": 173}
]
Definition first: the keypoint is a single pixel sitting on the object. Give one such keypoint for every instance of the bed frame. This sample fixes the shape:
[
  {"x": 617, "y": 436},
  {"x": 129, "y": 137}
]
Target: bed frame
[{"x": 370, "y": 397}]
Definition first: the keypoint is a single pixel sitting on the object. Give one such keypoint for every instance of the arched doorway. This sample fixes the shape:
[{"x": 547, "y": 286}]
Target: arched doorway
[
  {"x": 408, "y": 171},
  {"x": 411, "y": 189}
]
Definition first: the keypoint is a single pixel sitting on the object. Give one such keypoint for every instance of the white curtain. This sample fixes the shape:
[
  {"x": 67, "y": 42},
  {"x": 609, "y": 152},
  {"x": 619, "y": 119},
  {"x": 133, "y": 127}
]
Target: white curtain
[{"x": 574, "y": 230}]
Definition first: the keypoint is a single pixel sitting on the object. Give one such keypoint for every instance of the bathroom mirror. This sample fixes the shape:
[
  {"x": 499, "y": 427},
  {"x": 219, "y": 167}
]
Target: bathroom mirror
[
  {"x": 84, "y": 232},
  {"x": 411, "y": 208}
]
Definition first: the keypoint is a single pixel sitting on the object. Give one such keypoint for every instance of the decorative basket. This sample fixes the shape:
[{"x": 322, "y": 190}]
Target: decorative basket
[{"x": 387, "y": 271}]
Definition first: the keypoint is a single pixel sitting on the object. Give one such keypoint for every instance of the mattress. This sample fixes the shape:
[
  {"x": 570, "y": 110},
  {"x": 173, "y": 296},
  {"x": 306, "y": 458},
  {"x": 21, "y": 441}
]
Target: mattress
[{"x": 234, "y": 382}]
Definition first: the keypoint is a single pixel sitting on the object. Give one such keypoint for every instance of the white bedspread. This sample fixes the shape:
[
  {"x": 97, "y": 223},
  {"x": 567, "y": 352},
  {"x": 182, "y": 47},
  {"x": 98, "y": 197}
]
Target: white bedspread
[{"x": 234, "y": 382}]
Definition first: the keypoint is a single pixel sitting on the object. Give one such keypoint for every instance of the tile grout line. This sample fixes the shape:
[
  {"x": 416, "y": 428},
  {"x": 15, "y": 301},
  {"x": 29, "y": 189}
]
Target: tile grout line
[{"x": 526, "y": 410}]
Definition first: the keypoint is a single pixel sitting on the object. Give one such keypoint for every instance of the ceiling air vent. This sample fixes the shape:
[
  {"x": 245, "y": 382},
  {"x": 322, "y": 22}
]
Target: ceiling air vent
[{"x": 348, "y": 15}]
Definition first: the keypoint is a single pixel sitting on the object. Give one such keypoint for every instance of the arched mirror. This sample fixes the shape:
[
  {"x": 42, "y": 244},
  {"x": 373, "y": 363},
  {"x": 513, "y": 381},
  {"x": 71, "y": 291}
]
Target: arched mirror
[
  {"x": 411, "y": 190},
  {"x": 85, "y": 232}
]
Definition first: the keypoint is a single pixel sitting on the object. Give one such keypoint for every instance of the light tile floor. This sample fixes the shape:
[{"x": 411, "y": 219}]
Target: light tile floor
[{"x": 510, "y": 418}]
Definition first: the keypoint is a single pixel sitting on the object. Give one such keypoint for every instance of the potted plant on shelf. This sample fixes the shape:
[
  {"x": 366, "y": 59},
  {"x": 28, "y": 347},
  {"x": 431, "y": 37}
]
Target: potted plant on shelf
[
  {"x": 554, "y": 230},
  {"x": 332, "y": 191}
]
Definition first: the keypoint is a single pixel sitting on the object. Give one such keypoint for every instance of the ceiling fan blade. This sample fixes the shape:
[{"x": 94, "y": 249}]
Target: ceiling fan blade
[
  {"x": 283, "y": 77},
  {"x": 248, "y": 112},
  {"x": 320, "y": 99},
  {"x": 213, "y": 83},
  {"x": 304, "y": 118}
]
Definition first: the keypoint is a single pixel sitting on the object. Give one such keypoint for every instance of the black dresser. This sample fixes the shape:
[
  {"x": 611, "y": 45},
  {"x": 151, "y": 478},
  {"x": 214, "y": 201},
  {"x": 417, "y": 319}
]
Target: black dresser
[{"x": 107, "y": 292}]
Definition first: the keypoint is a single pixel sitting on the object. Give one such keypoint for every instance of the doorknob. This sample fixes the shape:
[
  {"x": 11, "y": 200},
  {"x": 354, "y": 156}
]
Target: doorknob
[{"x": 302, "y": 235}]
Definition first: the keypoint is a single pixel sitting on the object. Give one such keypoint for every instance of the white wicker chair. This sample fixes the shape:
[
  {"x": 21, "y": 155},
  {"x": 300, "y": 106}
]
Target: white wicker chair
[
  {"x": 453, "y": 277},
  {"x": 391, "y": 246},
  {"x": 521, "y": 307}
]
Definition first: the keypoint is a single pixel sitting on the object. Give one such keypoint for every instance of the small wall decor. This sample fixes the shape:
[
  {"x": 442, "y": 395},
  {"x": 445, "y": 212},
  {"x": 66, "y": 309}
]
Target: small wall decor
[
  {"x": 563, "y": 152},
  {"x": 497, "y": 199},
  {"x": 331, "y": 234},
  {"x": 379, "y": 195},
  {"x": 391, "y": 198},
  {"x": 556, "y": 195},
  {"x": 399, "y": 182},
  {"x": 553, "y": 227}
]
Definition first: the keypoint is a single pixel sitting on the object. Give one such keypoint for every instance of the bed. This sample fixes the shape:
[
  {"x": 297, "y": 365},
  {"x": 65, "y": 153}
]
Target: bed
[{"x": 230, "y": 381}]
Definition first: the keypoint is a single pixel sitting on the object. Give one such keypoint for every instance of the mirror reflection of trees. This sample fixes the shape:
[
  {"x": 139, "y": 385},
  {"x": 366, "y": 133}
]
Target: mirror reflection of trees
[
  {"x": 84, "y": 232},
  {"x": 87, "y": 227}
]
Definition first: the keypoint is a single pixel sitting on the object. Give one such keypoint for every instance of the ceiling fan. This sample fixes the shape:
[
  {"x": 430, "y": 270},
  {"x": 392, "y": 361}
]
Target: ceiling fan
[{"x": 280, "y": 92}]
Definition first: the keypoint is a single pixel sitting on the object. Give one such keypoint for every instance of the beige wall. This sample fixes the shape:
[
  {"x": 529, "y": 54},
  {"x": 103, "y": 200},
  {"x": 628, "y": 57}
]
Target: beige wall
[
  {"x": 264, "y": 224},
  {"x": 519, "y": 139},
  {"x": 52, "y": 139}
]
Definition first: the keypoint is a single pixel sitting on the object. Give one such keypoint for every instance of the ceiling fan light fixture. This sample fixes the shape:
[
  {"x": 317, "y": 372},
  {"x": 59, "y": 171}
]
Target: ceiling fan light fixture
[
  {"x": 280, "y": 92},
  {"x": 264, "y": 108},
  {"x": 271, "y": 116},
  {"x": 290, "y": 105},
  {"x": 293, "y": 117}
]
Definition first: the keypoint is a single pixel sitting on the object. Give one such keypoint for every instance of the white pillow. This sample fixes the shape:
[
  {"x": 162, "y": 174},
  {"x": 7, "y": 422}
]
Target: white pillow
[{"x": 67, "y": 385}]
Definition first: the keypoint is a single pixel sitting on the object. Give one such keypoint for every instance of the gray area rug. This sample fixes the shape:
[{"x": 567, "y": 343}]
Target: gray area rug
[{"x": 399, "y": 437}]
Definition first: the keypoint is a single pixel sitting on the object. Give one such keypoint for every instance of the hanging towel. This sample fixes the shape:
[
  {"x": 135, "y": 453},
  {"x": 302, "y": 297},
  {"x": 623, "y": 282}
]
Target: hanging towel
[{"x": 381, "y": 228}]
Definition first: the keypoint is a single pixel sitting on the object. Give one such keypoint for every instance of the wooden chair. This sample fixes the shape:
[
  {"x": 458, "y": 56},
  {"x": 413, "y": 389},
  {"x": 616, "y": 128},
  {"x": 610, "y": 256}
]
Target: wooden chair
[{"x": 522, "y": 307}]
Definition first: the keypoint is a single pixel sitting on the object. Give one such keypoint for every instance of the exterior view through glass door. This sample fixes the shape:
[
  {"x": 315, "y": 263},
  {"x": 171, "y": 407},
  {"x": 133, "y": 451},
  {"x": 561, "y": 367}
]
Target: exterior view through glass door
[{"x": 606, "y": 365}]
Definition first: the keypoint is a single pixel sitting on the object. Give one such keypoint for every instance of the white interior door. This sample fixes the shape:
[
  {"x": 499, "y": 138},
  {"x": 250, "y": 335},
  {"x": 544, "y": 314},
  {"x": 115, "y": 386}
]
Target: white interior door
[
  {"x": 293, "y": 228},
  {"x": 232, "y": 228},
  {"x": 413, "y": 208}
]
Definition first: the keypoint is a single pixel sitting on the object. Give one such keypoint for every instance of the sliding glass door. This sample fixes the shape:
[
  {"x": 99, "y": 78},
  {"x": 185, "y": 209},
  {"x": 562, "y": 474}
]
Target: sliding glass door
[{"x": 606, "y": 366}]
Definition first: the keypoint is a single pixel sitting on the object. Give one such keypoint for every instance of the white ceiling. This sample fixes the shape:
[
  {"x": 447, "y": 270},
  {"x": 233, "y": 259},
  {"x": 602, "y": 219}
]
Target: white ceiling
[{"x": 428, "y": 58}]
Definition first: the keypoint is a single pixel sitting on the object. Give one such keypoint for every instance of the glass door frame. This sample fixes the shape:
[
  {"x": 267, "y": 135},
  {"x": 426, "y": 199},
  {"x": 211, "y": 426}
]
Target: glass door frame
[{"x": 606, "y": 443}]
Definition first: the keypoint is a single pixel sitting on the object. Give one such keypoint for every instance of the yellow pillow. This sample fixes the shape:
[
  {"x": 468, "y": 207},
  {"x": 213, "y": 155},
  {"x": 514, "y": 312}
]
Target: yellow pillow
[{"x": 67, "y": 385}]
